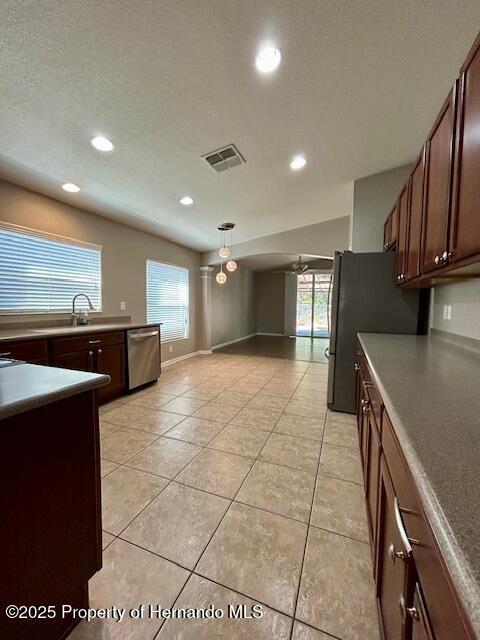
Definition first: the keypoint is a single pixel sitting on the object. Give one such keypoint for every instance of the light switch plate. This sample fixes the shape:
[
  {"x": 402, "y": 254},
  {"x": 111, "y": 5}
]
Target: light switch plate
[
  {"x": 170, "y": 348},
  {"x": 123, "y": 305}
]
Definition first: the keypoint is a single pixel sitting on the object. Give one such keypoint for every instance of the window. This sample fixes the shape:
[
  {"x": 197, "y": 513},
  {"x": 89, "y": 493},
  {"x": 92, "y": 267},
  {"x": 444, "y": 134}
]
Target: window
[
  {"x": 167, "y": 299},
  {"x": 40, "y": 273}
]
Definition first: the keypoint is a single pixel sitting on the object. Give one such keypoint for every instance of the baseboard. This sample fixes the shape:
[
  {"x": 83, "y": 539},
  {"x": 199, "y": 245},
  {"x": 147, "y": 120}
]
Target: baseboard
[
  {"x": 261, "y": 333},
  {"x": 167, "y": 363},
  {"x": 224, "y": 344}
]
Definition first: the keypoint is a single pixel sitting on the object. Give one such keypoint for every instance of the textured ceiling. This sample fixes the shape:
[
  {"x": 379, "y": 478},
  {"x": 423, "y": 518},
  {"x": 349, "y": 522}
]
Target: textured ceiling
[{"x": 359, "y": 85}]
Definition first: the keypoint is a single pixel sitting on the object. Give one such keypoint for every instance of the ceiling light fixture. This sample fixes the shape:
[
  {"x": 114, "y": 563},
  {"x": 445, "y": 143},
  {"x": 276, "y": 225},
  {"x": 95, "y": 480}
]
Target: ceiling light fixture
[
  {"x": 297, "y": 162},
  {"x": 70, "y": 187},
  {"x": 268, "y": 59},
  {"x": 186, "y": 200},
  {"x": 231, "y": 266},
  {"x": 101, "y": 143},
  {"x": 221, "y": 276},
  {"x": 224, "y": 252}
]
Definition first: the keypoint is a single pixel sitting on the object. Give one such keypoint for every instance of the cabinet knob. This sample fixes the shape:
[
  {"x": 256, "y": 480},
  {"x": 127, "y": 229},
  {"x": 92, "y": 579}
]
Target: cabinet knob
[
  {"x": 90, "y": 353},
  {"x": 356, "y": 366},
  {"x": 445, "y": 256},
  {"x": 437, "y": 259},
  {"x": 394, "y": 554},
  {"x": 407, "y": 611},
  {"x": 99, "y": 351}
]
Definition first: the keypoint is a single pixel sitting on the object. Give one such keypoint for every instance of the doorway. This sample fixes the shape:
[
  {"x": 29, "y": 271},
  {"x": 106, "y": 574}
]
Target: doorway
[{"x": 313, "y": 305}]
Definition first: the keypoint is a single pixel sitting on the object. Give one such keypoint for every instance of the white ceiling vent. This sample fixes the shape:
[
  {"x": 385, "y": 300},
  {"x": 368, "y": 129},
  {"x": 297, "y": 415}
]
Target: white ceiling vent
[{"x": 224, "y": 158}]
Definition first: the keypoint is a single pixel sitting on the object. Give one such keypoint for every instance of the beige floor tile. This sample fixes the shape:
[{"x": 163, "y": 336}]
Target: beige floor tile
[
  {"x": 306, "y": 408},
  {"x": 178, "y": 524},
  {"x": 277, "y": 390},
  {"x": 106, "y": 466},
  {"x": 165, "y": 457},
  {"x": 195, "y": 430},
  {"x": 268, "y": 403},
  {"x": 152, "y": 399},
  {"x": 106, "y": 427},
  {"x": 290, "y": 451},
  {"x": 303, "y": 632},
  {"x": 234, "y": 398},
  {"x": 217, "y": 472},
  {"x": 121, "y": 445},
  {"x": 244, "y": 442},
  {"x": 338, "y": 416},
  {"x": 183, "y": 405},
  {"x": 220, "y": 412},
  {"x": 341, "y": 434},
  {"x": 157, "y": 422},
  {"x": 125, "y": 492},
  {"x": 126, "y": 414},
  {"x": 337, "y": 592},
  {"x": 256, "y": 419},
  {"x": 203, "y": 392},
  {"x": 110, "y": 406},
  {"x": 285, "y": 491},
  {"x": 341, "y": 462},
  {"x": 130, "y": 576},
  {"x": 177, "y": 388},
  {"x": 292, "y": 425},
  {"x": 339, "y": 506},
  {"x": 107, "y": 538},
  {"x": 201, "y": 593},
  {"x": 258, "y": 554}
]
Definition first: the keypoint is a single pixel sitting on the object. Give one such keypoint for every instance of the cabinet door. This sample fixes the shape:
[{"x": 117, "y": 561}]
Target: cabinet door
[
  {"x": 392, "y": 572},
  {"x": 415, "y": 206},
  {"x": 421, "y": 629},
  {"x": 465, "y": 229},
  {"x": 111, "y": 360},
  {"x": 387, "y": 233},
  {"x": 30, "y": 350},
  {"x": 394, "y": 226},
  {"x": 363, "y": 425},
  {"x": 438, "y": 181},
  {"x": 371, "y": 473},
  {"x": 80, "y": 360},
  {"x": 402, "y": 234}
]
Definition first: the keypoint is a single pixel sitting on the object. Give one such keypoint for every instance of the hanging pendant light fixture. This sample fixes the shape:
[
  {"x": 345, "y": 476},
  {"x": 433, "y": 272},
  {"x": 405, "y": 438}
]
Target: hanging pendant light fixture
[{"x": 224, "y": 252}]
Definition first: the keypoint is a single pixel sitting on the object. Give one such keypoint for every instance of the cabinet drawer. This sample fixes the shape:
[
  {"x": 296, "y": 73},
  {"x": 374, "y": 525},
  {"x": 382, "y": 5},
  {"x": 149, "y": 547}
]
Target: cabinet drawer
[
  {"x": 445, "y": 614},
  {"x": 24, "y": 350},
  {"x": 59, "y": 346}
]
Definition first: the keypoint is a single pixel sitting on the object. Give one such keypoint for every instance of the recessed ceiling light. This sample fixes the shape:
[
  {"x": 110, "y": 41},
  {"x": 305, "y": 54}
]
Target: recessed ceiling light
[
  {"x": 186, "y": 200},
  {"x": 70, "y": 187},
  {"x": 101, "y": 143},
  {"x": 297, "y": 162},
  {"x": 268, "y": 59}
]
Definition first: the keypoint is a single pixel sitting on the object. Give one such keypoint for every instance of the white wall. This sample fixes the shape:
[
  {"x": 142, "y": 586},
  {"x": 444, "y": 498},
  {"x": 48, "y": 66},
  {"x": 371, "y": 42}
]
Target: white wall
[
  {"x": 233, "y": 307},
  {"x": 373, "y": 199},
  {"x": 124, "y": 254},
  {"x": 465, "y": 300}
]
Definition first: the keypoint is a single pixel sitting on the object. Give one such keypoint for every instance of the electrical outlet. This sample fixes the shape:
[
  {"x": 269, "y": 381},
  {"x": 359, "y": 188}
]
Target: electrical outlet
[
  {"x": 170, "y": 348},
  {"x": 123, "y": 305},
  {"x": 447, "y": 311}
]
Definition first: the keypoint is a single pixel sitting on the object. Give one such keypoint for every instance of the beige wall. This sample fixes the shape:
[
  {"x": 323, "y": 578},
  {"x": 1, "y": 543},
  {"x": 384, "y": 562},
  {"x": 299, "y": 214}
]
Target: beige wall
[
  {"x": 233, "y": 307},
  {"x": 465, "y": 300},
  {"x": 270, "y": 302},
  {"x": 373, "y": 199},
  {"x": 125, "y": 250}
]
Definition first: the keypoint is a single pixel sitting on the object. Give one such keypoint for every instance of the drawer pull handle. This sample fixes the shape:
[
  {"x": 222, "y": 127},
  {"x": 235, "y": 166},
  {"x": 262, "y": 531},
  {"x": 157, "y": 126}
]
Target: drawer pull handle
[
  {"x": 407, "y": 611},
  {"x": 394, "y": 554},
  {"x": 94, "y": 341},
  {"x": 5, "y": 354},
  {"x": 401, "y": 528},
  {"x": 149, "y": 334}
]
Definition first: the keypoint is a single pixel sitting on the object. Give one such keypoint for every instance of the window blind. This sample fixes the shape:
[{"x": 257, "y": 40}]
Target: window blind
[
  {"x": 167, "y": 299},
  {"x": 42, "y": 274}
]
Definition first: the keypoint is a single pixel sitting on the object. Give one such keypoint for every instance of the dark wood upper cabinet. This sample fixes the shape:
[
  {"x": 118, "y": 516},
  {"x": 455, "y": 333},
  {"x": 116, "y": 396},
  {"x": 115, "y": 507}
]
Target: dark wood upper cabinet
[
  {"x": 387, "y": 233},
  {"x": 415, "y": 207},
  {"x": 438, "y": 183},
  {"x": 465, "y": 223},
  {"x": 402, "y": 214}
]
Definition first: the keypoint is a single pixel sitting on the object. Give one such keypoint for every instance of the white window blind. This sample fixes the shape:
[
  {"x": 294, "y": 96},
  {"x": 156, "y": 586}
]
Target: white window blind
[
  {"x": 39, "y": 273},
  {"x": 167, "y": 299}
]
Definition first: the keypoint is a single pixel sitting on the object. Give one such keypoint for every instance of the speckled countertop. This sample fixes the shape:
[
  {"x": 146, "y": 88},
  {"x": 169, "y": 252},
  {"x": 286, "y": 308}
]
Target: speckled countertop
[
  {"x": 65, "y": 331},
  {"x": 431, "y": 391},
  {"x": 27, "y": 386}
]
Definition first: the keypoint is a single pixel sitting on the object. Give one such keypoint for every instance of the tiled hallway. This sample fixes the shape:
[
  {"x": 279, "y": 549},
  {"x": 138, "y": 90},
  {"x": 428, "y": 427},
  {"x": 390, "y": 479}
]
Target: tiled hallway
[{"x": 228, "y": 482}]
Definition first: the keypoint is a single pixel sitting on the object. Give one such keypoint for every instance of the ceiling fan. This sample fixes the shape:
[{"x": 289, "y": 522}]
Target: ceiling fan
[{"x": 297, "y": 269}]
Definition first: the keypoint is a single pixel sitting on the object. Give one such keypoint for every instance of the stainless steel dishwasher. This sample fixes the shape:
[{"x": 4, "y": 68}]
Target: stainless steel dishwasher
[{"x": 143, "y": 353}]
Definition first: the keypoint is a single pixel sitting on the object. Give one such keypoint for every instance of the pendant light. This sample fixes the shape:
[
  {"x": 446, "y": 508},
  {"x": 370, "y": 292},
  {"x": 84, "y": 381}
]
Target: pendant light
[
  {"x": 231, "y": 264},
  {"x": 221, "y": 276},
  {"x": 224, "y": 252}
]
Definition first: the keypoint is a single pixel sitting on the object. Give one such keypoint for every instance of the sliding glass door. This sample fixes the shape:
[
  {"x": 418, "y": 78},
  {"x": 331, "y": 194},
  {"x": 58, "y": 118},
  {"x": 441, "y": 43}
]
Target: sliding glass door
[{"x": 313, "y": 305}]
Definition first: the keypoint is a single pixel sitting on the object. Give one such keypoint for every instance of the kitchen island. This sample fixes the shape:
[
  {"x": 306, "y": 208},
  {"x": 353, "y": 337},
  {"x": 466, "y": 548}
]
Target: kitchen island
[{"x": 50, "y": 536}]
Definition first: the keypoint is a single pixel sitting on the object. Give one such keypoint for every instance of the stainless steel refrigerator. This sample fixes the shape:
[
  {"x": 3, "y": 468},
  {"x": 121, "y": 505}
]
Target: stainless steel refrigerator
[{"x": 366, "y": 298}]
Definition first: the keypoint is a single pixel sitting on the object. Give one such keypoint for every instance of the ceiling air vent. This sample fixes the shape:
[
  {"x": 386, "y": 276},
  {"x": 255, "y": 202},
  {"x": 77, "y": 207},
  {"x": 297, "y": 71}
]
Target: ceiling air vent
[{"x": 224, "y": 158}]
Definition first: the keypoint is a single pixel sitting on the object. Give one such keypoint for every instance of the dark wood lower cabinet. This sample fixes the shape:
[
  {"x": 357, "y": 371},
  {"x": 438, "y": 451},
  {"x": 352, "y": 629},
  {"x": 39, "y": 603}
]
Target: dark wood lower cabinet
[
  {"x": 81, "y": 361},
  {"x": 415, "y": 594},
  {"x": 111, "y": 360}
]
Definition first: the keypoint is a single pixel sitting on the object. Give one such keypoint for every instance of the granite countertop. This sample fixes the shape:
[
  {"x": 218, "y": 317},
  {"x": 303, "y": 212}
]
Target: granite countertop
[
  {"x": 67, "y": 330},
  {"x": 28, "y": 386},
  {"x": 431, "y": 391}
]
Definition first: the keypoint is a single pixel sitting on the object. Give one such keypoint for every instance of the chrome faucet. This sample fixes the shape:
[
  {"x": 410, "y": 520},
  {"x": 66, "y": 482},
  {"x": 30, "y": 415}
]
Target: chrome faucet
[{"x": 78, "y": 318}]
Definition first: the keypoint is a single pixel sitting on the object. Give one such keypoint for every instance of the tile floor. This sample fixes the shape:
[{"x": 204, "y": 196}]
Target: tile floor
[{"x": 229, "y": 482}]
